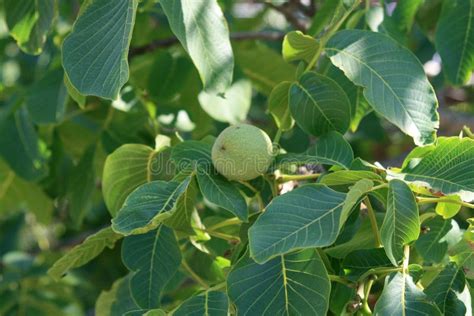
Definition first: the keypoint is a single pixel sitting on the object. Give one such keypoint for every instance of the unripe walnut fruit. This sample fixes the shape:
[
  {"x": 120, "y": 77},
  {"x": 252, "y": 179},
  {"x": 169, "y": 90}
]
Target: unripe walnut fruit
[{"x": 242, "y": 152}]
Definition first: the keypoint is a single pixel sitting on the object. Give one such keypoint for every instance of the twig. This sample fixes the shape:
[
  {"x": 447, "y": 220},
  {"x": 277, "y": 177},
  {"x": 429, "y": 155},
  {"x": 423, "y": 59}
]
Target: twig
[
  {"x": 288, "y": 9},
  {"x": 238, "y": 36}
]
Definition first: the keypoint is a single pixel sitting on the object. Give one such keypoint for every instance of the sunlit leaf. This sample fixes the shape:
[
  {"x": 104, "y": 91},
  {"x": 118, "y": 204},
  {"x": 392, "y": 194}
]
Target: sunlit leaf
[
  {"x": 202, "y": 30},
  {"x": 298, "y": 46},
  {"x": 394, "y": 81}
]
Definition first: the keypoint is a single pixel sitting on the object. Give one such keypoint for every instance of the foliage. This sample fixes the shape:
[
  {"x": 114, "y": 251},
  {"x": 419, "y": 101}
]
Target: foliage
[{"x": 110, "y": 203}]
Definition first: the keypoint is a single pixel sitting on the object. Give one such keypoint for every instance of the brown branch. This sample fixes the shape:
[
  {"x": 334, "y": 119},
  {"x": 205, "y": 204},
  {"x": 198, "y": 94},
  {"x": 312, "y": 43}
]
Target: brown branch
[
  {"x": 290, "y": 11},
  {"x": 238, "y": 36}
]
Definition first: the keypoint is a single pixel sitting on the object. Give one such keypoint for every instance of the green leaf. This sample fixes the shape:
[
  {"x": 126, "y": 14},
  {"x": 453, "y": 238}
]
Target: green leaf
[
  {"x": 130, "y": 166},
  {"x": 394, "y": 81},
  {"x": 154, "y": 258},
  {"x": 319, "y": 105},
  {"x": 264, "y": 66},
  {"x": 445, "y": 288},
  {"x": 95, "y": 53},
  {"x": 359, "y": 105},
  {"x": 90, "y": 248},
  {"x": 448, "y": 210},
  {"x": 446, "y": 168},
  {"x": 29, "y": 22},
  {"x": 309, "y": 216},
  {"x": 190, "y": 154},
  {"x": 325, "y": 15},
  {"x": 185, "y": 205},
  {"x": 223, "y": 193},
  {"x": 401, "y": 224},
  {"x": 293, "y": 284},
  {"x": 404, "y": 13},
  {"x": 400, "y": 296},
  {"x": 201, "y": 28},
  {"x": 463, "y": 255},
  {"x": 298, "y": 46},
  {"x": 360, "y": 261},
  {"x": 208, "y": 303},
  {"x": 47, "y": 98},
  {"x": 73, "y": 93},
  {"x": 117, "y": 301},
  {"x": 347, "y": 177},
  {"x": 148, "y": 205},
  {"x": 81, "y": 187},
  {"x": 363, "y": 239},
  {"x": 278, "y": 106},
  {"x": 233, "y": 107},
  {"x": 21, "y": 149},
  {"x": 16, "y": 194},
  {"x": 433, "y": 245},
  {"x": 454, "y": 40},
  {"x": 331, "y": 149}
]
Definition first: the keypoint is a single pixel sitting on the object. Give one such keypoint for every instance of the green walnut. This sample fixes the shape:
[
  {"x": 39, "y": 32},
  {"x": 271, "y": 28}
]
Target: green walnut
[{"x": 242, "y": 152}]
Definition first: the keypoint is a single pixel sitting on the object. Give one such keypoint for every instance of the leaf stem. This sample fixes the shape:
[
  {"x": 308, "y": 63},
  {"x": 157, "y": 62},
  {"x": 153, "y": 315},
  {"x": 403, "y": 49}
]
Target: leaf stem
[
  {"x": 378, "y": 271},
  {"x": 339, "y": 279},
  {"x": 194, "y": 276},
  {"x": 406, "y": 258},
  {"x": 380, "y": 186},
  {"x": 424, "y": 200},
  {"x": 328, "y": 35},
  {"x": 297, "y": 177},
  {"x": 467, "y": 131},
  {"x": 365, "y": 300},
  {"x": 373, "y": 222},
  {"x": 227, "y": 222}
]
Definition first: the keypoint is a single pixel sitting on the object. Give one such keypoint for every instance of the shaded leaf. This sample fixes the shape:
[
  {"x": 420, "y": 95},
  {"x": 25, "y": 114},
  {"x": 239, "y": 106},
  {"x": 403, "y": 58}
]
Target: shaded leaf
[
  {"x": 358, "y": 262},
  {"x": 394, "y": 80},
  {"x": 128, "y": 167},
  {"x": 201, "y": 28},
  {"x": 95, "y": 53},
  {"x": 347, "y": 177},
  {"x": 400, "y": 296},
  {"x": 154, "y": 258},
  {"x": 192, "y": 153},
  {"x": 271, "y": 70},
  {"x": 117, "y": 301},
  {"x": 223, "y": 193},
  {"x": 401, "y": 224},
  {"x": 79, "y": 98},
  {"x": 47, "y": 98},
  {"x": 278, "y": 106},
  {"x": 293, "y": 284},
  {"x": 210, "y": 303},
  {"x": 454, "y": 40},
  {"x": 81, "y": 186},
  {"x": 445, "y": 288},
  {"x": 185, "y": 205},
  {"x": 319, "y": 105},
  {"x": 29, "y": 22},
  {"x": 90, "y": 248},
  {"x": 330, "y": 149},
  {"x": 148, "y": 205},
  {"x": 433, "y": 245},
  {"x": 16, "y": 193},
  {"x": 21, "y": 149}
]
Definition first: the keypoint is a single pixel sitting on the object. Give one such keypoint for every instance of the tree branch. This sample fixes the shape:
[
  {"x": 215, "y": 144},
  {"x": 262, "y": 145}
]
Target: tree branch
[{"x": 238, "y": 36}]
